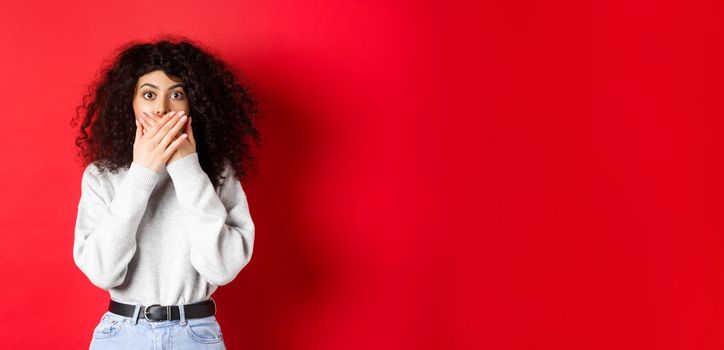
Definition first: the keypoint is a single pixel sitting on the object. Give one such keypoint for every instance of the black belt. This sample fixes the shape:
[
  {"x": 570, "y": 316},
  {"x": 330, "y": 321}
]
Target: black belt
[{"x": 158, "y": 312}]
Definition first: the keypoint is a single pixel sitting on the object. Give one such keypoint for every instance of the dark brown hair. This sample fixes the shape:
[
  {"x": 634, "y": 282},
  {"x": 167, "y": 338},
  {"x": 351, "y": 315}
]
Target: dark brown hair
[{"x": 223, "y": 110}]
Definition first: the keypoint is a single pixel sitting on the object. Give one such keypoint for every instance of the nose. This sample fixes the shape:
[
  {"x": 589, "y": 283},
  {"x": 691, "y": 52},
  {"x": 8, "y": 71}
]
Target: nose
[
  {"x": 160, "y": 110},
  {"x": 161, "y": 107}
]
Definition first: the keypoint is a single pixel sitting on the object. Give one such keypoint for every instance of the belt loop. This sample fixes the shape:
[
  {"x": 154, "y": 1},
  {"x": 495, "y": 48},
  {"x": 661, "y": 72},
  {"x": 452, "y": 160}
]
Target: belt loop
[
  {"x": 135, "y": 314},
  {"x": 182, "y": 314}
]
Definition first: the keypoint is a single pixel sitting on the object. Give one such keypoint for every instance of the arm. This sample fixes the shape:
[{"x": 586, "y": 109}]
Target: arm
[
  {"x": 221, "y": 233},
  {"x": 105, "y": 230}
]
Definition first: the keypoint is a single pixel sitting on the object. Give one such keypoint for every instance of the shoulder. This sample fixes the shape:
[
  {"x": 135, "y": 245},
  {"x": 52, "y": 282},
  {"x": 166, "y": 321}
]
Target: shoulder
[
  {"x": 92, "y": 169},
  {"x": 91, "y": 172},
  {"x": 95, "y": 172},
  {"x": 231, "y": 187},
  {"x": 227, "y": 173}
]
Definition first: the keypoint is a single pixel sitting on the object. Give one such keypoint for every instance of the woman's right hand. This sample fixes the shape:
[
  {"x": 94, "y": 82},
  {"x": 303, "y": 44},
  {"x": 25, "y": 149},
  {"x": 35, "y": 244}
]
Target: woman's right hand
[{"x": 155, "y": 146}]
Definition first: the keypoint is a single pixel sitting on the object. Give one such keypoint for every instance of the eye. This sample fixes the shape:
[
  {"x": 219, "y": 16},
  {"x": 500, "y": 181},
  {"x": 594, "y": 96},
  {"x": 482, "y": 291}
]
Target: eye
[
  {"x": 146, "y": 93},
  {"x": 177, "y": 93}
]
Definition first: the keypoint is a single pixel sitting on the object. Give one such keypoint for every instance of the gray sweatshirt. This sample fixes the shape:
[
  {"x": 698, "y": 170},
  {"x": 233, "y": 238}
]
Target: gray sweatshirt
[{"x": 161, "y": 238}]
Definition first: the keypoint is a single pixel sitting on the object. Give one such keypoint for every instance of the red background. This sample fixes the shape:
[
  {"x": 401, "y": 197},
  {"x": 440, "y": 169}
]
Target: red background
[{"x": 434, "y": 175}]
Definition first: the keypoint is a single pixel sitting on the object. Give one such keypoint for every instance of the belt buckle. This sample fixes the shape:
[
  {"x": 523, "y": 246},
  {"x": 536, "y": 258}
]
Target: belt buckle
[{"x": 168, "y": 312}]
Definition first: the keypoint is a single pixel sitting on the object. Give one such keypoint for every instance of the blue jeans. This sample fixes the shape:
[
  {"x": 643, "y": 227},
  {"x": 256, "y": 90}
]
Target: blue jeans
[{"x": 121, "y": 332}]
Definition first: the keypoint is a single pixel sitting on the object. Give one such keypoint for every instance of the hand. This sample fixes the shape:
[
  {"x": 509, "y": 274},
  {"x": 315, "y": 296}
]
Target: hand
[
  {"x": 154, "y": 145},
  {"x": 187, "y": 146}
]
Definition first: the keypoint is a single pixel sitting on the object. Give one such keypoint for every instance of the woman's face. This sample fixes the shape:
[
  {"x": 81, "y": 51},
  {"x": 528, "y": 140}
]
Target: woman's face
[{"x": 157, "y": 94}]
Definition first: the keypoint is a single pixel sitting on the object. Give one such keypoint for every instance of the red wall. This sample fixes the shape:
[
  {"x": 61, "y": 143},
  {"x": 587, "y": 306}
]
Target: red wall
[{"x": 504, "y": 175}]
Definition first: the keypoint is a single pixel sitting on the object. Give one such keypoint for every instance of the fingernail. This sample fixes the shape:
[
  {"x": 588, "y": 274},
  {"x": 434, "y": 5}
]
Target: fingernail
[{"x": 181, "y": 113}]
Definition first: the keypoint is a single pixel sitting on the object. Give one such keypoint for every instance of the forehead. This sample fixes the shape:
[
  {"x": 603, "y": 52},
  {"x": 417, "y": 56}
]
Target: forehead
[{"x": 158, "y": 78}]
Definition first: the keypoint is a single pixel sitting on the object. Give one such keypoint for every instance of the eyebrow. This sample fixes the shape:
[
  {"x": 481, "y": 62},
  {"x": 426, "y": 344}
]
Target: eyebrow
[{"x": 156, "y": 87}]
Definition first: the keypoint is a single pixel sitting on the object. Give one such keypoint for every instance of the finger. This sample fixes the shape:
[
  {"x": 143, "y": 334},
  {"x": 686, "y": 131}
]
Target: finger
[
  {"x": 159, "y": 130},
  {"x": 144, "y": 122},
  {"x": 160, "y": 118},
  {"x": 168, "y": 127},
  {"x": 152, "y": 119},
  {"x": 173, "y": 132},
  {"x": 181, "y": 114},
  {"x": 173, "y": 146}
]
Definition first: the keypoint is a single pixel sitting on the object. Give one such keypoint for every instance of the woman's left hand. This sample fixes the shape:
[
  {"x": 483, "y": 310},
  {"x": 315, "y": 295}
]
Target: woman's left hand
[{"x": 186, "y": 147}]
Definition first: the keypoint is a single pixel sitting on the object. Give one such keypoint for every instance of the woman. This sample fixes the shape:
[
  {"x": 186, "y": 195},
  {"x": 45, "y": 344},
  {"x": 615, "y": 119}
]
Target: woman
[{"x": 163, "y": 219}]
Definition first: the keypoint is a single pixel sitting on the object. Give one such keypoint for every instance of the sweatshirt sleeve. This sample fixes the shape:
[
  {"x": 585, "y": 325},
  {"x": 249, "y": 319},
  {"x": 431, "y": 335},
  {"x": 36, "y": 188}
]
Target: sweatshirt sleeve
[
  {"x": 221, "y": 232},
  {"x": 105, "y": 230}
]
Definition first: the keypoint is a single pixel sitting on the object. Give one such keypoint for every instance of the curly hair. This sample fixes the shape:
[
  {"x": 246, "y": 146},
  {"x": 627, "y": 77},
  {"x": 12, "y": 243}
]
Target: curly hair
[{"x": 224, "y": 111}]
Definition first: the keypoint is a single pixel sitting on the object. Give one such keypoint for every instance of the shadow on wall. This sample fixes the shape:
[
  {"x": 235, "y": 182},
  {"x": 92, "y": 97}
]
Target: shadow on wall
[{"x": 285, "y": 277}]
